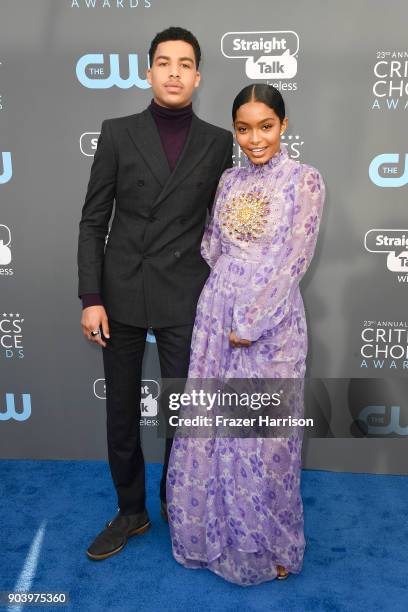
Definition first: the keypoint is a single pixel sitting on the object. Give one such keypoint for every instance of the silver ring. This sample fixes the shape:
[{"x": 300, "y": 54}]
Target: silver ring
[{"x": 95, "y": 333}]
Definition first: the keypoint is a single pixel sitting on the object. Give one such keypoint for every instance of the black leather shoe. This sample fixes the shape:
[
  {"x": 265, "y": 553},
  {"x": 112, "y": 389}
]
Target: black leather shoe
[
  {"x": 163, "y": 511},
  {"x": 115, "y": 536}
]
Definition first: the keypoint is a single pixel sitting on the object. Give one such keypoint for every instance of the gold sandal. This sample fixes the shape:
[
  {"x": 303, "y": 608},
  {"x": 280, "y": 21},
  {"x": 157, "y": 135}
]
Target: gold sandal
[{"x": 282, "y": 573}]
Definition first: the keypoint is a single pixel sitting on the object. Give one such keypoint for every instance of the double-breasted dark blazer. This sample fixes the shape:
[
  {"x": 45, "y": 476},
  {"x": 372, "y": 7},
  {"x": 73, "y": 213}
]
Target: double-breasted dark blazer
[{"x": 150, "y": 273}]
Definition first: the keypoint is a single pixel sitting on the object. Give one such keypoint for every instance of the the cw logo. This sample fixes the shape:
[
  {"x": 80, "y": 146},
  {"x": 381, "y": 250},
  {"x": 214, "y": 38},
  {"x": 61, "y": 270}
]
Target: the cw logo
[
  {"x": 390, "y": 175},
  {"x": 7, "y": 168},
  {"x": 11, "y": 412},
  {"x": 90, "y": 71},
  {"x": 375, "y": 418}
]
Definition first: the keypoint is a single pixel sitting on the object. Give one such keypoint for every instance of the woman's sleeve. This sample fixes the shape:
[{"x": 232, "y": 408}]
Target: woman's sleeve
[
  {"x": 263, "y": 306},
  {"x": 211, "y": 242}
]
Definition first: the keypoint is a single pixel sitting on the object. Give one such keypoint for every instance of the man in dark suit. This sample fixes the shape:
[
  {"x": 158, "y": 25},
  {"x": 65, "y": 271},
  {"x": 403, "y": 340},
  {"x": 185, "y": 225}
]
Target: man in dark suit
[{"x": 161, "y": 167}]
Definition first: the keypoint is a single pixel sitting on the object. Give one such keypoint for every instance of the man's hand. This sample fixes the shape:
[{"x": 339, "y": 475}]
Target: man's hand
[
  {"x": 236, "y": 342},
  {"x": 93, "y": 318}
]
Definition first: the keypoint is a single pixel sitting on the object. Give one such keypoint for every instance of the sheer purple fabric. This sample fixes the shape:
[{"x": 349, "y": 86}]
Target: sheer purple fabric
[{"x": 234, "y": 504}]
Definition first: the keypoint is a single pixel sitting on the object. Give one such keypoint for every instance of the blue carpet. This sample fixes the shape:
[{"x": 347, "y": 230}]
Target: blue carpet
[{"x": 355, "y": 560}]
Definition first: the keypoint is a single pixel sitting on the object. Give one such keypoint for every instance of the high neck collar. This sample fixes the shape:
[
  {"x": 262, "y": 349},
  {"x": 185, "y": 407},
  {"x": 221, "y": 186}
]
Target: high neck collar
[
  {"x": 274, "y": 161},
  {"x": 170, "y": 113}
]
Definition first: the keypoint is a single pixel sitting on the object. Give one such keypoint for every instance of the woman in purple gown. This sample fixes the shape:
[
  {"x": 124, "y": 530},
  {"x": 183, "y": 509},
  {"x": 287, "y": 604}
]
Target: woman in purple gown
[{"x": 234, "y": 504}]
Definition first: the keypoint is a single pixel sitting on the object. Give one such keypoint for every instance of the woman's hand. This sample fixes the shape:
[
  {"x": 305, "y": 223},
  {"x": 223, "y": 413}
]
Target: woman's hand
[{"x": 236, "y": 342}]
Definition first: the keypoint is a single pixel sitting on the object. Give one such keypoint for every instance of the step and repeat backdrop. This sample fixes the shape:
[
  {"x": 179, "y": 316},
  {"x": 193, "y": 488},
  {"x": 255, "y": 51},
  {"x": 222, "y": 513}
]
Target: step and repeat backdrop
[{"x": 66, "y": 65}]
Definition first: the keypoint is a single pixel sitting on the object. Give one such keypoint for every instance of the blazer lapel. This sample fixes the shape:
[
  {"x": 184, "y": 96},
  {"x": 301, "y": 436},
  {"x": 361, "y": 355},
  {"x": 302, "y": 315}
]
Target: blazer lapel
[
  {"x": 146, "y": 138},
  {"x": 195, "y": 149}
]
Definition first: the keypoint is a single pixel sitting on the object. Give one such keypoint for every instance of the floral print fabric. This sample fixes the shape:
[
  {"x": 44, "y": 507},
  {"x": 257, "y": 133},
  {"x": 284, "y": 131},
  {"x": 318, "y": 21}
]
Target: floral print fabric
[{"x": 234, "y": 504}]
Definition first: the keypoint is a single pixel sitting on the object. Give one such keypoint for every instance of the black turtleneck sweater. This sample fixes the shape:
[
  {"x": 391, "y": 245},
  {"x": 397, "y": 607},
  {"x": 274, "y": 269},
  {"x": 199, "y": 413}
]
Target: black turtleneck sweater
[{"x": 173, "y": 125}]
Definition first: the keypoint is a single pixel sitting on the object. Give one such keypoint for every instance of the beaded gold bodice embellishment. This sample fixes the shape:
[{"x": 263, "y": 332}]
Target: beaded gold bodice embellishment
[{"x": 245, "y": 216}]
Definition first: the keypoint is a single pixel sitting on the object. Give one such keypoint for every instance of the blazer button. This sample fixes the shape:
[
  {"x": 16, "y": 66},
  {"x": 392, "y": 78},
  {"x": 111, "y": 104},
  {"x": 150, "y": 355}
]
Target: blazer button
[
  {"x": 177, "y": 254},
  {"x": 200, "y": 184},
  {"x": 183, "y": 220},
  {"x": 140, "y": 183},
  {"x": 152, "y": 219}
]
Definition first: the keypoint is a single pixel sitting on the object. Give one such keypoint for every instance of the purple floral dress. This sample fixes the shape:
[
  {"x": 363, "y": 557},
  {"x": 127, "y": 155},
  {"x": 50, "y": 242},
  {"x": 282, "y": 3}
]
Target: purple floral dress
[{"x": 234, "y": 504}]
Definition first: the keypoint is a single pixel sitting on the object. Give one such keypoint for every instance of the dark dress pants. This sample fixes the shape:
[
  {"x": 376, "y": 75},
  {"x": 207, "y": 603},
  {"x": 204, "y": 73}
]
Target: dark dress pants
[{"x": 122, "y": 359}]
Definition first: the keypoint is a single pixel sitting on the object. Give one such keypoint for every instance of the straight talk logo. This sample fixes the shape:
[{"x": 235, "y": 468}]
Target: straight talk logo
[
  {"x": 149, "y": 395},
  {"x": 394, "y": 244},
  {"x": 268, "y": 55},
  {"x": 5, "y": 251}
]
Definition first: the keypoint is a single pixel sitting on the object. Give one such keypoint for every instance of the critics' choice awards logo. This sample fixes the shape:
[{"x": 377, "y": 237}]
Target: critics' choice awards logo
[
  {"x": 103, "y": 71},
  {"x": 110, "y": 4},
  {"x": 268, "y": 55},
  {"x": 390, "y": 89},
  {"x": 11, "y": 335},
  {"x": 393, "y": 243},
  {"x": 150, "y": 391},
  {"x": 384, "y": 345},
  {"x": 11, "y": 412},
  {"x": 6, "y": 168},
  {"x": 293, "y": 143},
  {"x": 5, "y": 251},
  {"x": 389, "y": 170}
]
